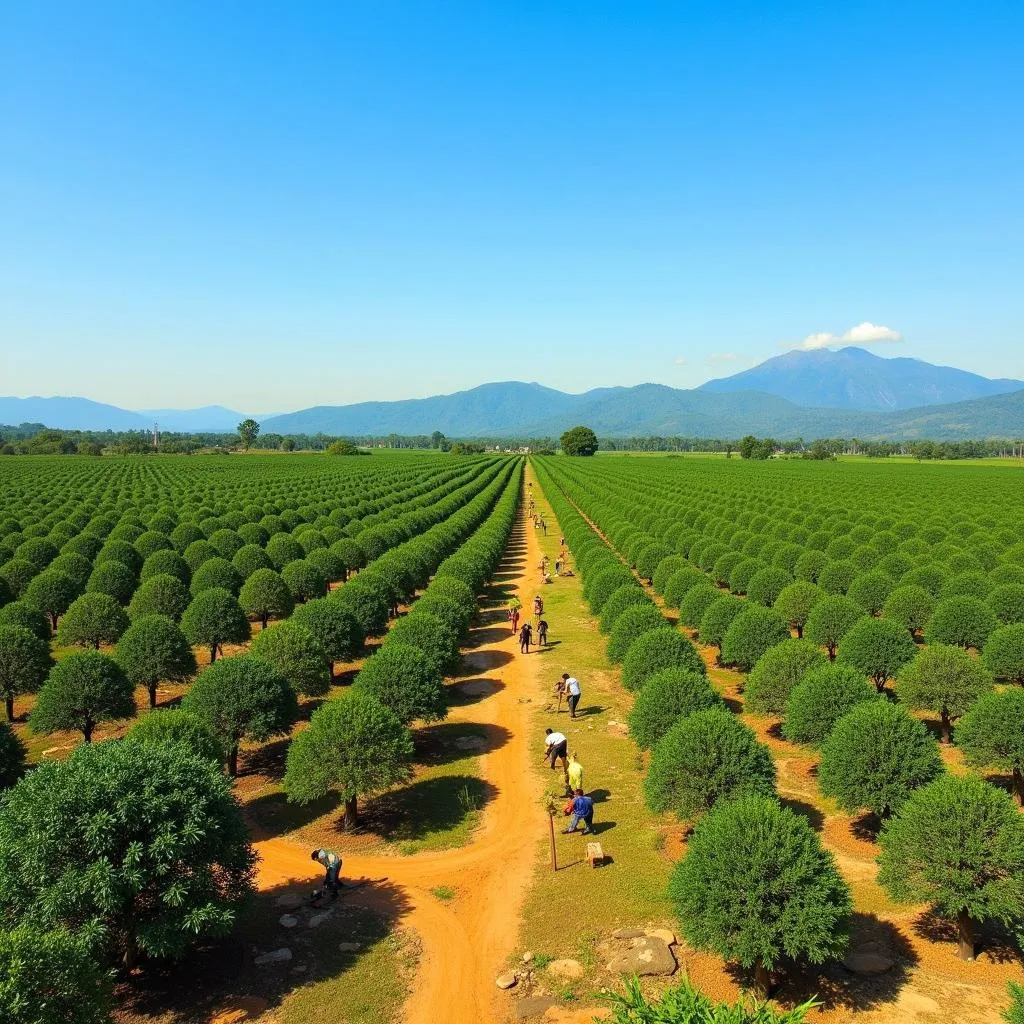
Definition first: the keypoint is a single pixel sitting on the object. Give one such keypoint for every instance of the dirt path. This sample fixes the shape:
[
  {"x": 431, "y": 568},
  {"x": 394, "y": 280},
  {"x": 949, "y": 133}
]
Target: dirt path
[{"x": 467, "y": 940}]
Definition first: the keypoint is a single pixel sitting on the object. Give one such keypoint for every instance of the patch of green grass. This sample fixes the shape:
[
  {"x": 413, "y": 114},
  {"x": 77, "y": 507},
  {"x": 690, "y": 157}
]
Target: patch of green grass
[
  {"x": 541, "y": 960},
  {"x": 443, "y": 892}
]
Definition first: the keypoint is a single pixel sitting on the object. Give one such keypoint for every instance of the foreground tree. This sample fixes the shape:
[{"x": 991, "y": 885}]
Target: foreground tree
[
  {"x": 757, "y": 888},
  {"x": 154, "y": 650},
  {"x": 25, "y": 663},
  {"x": 957, "y": 844},
  {"x": 242, "y": 698},
  {"x": 215, "y": 618},
  {"x": 704, "y": 758},
  {"x": 991, "y": 735},
  {"x": 82, "y": 690},
  {"x": 875, "y": 757},
  {"x": 667, "y": 697},
  {"x": 172, "y": 725},
  {"x": 354, "y": 745},
  {"x": 821, "y": 698},
  {"x": 51, "y": 977},
  {"x": 92, "y": 619},
  {"x": 406, "y": 682},
  {"x": 170, "y": 865},
  {"x": 946, "y": 680},
  {"x": 878, "y": 648}
]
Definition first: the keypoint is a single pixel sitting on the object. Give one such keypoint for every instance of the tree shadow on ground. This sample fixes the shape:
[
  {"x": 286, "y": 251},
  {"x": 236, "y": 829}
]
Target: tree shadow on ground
[
  {"x": 866, "y": 827},
  {"x": 452, "y": 741},
  {"x": 475, "y": 661},
  {"x": 221, "y": 976},
  {"x": 271, "y": 814},
  {"x": 811, "y": 813},
  {"x": 992, "y": 940},
  {"x": 472, "y": 691},
  {"x": 267, "y": 760},
  {"x": 428, "y": 806}
]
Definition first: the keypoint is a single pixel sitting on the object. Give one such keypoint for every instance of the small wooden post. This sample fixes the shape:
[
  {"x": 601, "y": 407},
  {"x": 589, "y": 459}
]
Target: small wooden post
[{"x": 551, "y": 806}]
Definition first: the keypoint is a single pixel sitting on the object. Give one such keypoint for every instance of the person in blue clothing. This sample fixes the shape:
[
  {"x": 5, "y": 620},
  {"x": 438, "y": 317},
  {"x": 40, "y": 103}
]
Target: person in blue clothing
[
  {"x": 582, "y": 810},
  {"x": 331, "y": 863}
]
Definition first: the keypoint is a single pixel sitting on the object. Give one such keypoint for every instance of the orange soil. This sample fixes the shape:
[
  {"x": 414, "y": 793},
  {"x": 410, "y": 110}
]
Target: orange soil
[{"x": 466, "y": 941}]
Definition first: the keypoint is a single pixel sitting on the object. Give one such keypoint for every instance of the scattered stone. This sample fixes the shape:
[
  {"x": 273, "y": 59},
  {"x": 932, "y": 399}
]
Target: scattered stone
[
  {"x": 628, "y": 933},
  {"x": 350, "y": 947},
  {"x": 506, "y": 980},
  {"x": 287, "y": 920},
  {"x": 566, "y": 970},
  {"x": 275, "y": 956},
  {"x": 869, "y": 957},
  {"x": 531, "y": 1006},
  {"x": 664, "y": 934},
  {"x": 299, "y": 969},
  {"x": 648, "y": 956},
  {"x": 471, "y": 743},
  {"x": 289, "y": 901},
  {"x": 618, "y": 728},
  {"x": 318, "y": 919},
  {"x": 527, "y": 957}
]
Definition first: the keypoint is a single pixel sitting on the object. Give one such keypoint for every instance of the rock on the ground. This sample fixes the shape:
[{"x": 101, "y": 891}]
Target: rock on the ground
[
  {"x": 506, "y": 980},
  {"x": 275, "y": 956},
  {"x": 318, "y": 919},
  {"x": 869, "y": 957},
  {"x": 566, "y": 970},
  {"x": 627, "y": 933},
  {"x": 647, "y": 956},
  {"x": 531, "y": 1007},
  {"x": 287, "y": 920},
  {"x": 289, "y": 901},
  {"x": 666, "y": 936},
  {"x": 350, "y": 947}
]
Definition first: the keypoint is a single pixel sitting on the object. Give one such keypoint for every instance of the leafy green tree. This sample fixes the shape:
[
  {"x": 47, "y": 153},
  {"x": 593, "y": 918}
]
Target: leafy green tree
[
  {"x": 1007, "y": 601},
  {"x": 715, "y": 621},
  {"x": 430, "y": 635},
  {"x": 659, "y": 649},
  {"x": 878, "y": 648},
  {"x": 215, "y": 618},
  {"x": 830, "y": 620},
  {"x": 777, "y": 672},
  {"x": 666, "y": 697},
  {"x": 355, "y": 745},
  {"x": 248, "y": 430},
  {"x": 633, "y": 623},
  {"x": 911, "y": 606},
  {"x": 579, "y": 441},
  {"x": 172, "y": 725},
  {"x": 991, "y": 735},
  {"x": 871, "y": 590},
  {"x": 77, "y": 568},
  {"x": 25, "y": 663},
  {"x": 91, "y": 620},
  {"x": 766, "y": 584},
  {"x": 250, "y": 559},
  {"x": 627, "y": 596},
  {"x": 153, "y": 650},
  {"x": 334, "y": 626},
  {"x": 750, "y": 634},
  {"x": 679, "y": 584},
  {"x": 875, "y": 756},
  {"x": 216, "y": 573},
  {"x": 795, "y": 602},
  {"x": 114, "y": 579},
  {"x": 1003, "y": 654},
  {"x": 757, "y": 888},
  {"x": 704, "y": 758},
  {"x": 946, "y": 680},
  {"x": 406, "y": 682},
  {"x": 1014, "y": 1014},
  {"x": 264, "y": 595},
  {"x": 297, "y": 654},
  {"x": 51, "y": 977},
  {"x": 18, "y": 573},
  {"x": 242, "y": 698},
  {"x": 162, "y": 594},
  {"x": 304, "y": 580},
  {"x": 962, "y": 622},
  {"x": 81, "y": 691},
  {"x": 821, "y": 698},
  {"x": 365, "y": 604},
  {"x": 12, "y": 756},
  {"x": 18, "y": 613},
  {"x": 139, "y": 846},
  {"x": 957, "y": 844},
  {"x": 697, "y": 602},
  {"x": 52, "y": 593}
]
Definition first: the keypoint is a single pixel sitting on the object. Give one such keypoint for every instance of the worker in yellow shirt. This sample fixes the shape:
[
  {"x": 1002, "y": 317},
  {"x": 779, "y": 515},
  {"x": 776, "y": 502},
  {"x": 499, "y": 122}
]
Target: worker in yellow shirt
[{"x": 575, "y": 773}]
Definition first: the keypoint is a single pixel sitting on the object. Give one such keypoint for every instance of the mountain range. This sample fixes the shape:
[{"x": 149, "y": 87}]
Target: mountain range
[{"x": 821, "y": 393}]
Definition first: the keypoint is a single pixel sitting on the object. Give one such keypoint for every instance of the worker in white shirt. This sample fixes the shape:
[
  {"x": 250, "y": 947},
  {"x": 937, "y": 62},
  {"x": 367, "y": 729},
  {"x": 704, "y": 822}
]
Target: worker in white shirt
[
  {"x": 573, "y": 692},
  {"x": 556, "y": 748}
]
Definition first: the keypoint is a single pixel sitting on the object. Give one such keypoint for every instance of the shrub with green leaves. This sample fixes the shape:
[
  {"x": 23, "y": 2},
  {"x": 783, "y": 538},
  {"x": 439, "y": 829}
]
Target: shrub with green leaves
[
  {"x": 297, "y": 655},
  {"x": 627, "y": 596},
  {"x": 406, "y": 682},
  {"x": 601, "y": 587},
  {"x": 777, "y": 672},
  {"x": 795, "y": 602},
  {"x": 18, "y": 613},
  {"x": 666, "y": 697},
  {"x": 871, "y": 590},
  {"x": 911, "y": 606},
  {"x": 92, "y": 620},
  {"x": 823, "y": 696},
  {"x": 430, "y": 635},
  {"x": 991, "y": 735},
  {"x": 172, "y": 725},
  {"x": 265, "y": 595},
  {"x": 633, "y": 622},
  {"x": 52, "y": 593},
  {"x": 878, "y": 648},
  {"x": 875, "y": 756},
  {"x": 153, "y": 650},
  {"x": 1003, "y": 653},
  {"x": 830, "y": 620},
  {"x": 334, "y": 626},
  {"x": 697, "y": 601},
  {"x": 961, "y": 622},
  {"x": 12, "y": 757},
  {"x": 657, "y": 649},
  {"x": 163, "y": 594},
  {"x": 215, "y": 618},
  {"x": 945, "y": 680},
  {"x": 750, "y": 634},
  {"x": 25, "y": 663},
  {"x": 679, "y": 584},
  {"x": 717, "y": 618},
  {"x": 706, "y": 757}
]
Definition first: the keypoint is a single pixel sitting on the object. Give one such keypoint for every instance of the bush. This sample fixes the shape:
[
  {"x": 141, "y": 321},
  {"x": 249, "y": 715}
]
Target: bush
[
  {"x": 12, "y": 757},
  {"x": 1007, "y": 603},
  {"x": 836, "y": 577},
  {"x": 875, "y": 757},
  {"x": 961, "y": 622},
  {"x": 743, "y": 573},
  {"x": 679, "y": 584},
  {"x": 666, "y": 697},
  {"x": 406, "y": 682},
  {"x": 633, "y": 622},
  {"x": 160, "y": 595},
  {"x": 871, "y": 590},
  {"x": 82, "y": 690},
  {"x": 795, "y": 602},
  {"x": 1003, "y": 654},
  {"x": 946, "y": 680},
  {"x": 92, "y": 619},
  {"x": 297, "y": 655},
  {"x": 697, "y": 601},
  {"x": 820, "y": 699},
  {"x": 215, "y": 618},
  {"x": 25, "y": 663},
  {"x": 657, "y": 649},
  {"x": 170, "y": 866},
  {"x": 911, "y": 606},
  {"x": 627, "y": 596},
  {"x": 166, "y": 563},
  {"x": 430, "y": 635},
  {"x": 757, "y": 888},
  {"x": 171, "y": 725},
  {"x": 766, "y": 585},
  {"x": 304, "y": 580},
  {"x": 216, "y": 573},
  {"x": 750, "y": 634},
  {"x": 114, "y": 579},
  {"x": 355, "y": 745},
  {"x": 282, "y": 548},
  {"x": 991, "y": 735},
  {"x": 265, "y": 595},
  {"x": 18, "y": 613},
  {"x": 957, "y": 844},
  {"x": 366, "y": 604},
  {"x": 52, "y": 593},
  {"x": 605, "y": 583},
  {"x": 704, "y": 758},
  {"x": 878, "y": 648},
  {"x": 153, "y": 650},
  {"x": 249, "y": 559},
  {"x": 334, "y": 626},
  {"x": 830, "y": 620},
  {"x": 717, "y": 618},
  {"x": 777, "y": 672},
  {"x": 667, "y": 568}
]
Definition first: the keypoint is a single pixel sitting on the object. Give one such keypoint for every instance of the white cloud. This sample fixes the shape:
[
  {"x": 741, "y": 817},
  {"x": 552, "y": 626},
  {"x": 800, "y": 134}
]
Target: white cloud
[
  {"x": 722, "y": 357},
  {"x": 681, "y": 361},
  {"x": 865, "y": 333}
]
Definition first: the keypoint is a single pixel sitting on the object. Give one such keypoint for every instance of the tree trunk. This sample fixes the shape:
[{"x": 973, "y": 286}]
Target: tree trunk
[
  {"x": 87, "y": 729},
  {"x": 263, "y": 621},
  {"x": 1018, "y": 786},
  {"x": 233, "y": 761},
  {"x": 131, "y": 954},
  {"x": 152, "y": 696},
  {"x": 946, "y": 733},
  {"x": 762, "y": 980},
  {"x": 344, "y": 575},
  {"x": 96, "y": 644},
  {"x": 351, "y": 813},
  {"x": 799, "y": 632},
  {"x": 53, "y": 621},
  {"x": 880, "y": 683},
  {"x": 213, "y": 653},
  {"x": 9, "y": 706},
  {"x": 831, "y": 652},
  {"x": 965, "y": 935}
]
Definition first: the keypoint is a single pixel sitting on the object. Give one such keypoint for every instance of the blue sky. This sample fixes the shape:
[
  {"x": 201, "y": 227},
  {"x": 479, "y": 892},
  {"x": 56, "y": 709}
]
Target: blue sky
[{"x": 279, "y": 205}]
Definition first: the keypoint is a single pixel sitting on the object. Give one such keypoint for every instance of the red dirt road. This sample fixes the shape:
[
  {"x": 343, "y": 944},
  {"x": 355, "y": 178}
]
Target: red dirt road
[{"x": 465, "y": 942}]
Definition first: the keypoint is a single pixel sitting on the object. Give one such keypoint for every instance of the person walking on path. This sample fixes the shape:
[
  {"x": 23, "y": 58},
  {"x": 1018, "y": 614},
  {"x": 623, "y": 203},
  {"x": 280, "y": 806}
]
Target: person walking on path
[
  {"x": 556, "y": 748},
  {"x": 544, "y": 525},
  {"x": 525, "y": 635},
  {"x": 582, "y": 809},
  {"x": 331, "y": 863},
  {"x": 513, "y": 615},
  {"x": 538, "y": 605},
  {"x": 542, "y": 633},
  {"x": 572, "y": 692},
  {"x": 575, "y": 772}
]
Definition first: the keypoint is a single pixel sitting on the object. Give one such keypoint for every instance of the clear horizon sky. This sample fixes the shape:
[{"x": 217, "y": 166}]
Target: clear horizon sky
[{"x": 271, "y": 206}]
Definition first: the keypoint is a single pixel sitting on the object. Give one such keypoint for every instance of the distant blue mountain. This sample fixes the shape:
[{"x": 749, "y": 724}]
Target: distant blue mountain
[
  {"x": 852, "y": 378},
  {"x": 70, "y": 414},
  {"x": 207, "y": 419}
]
